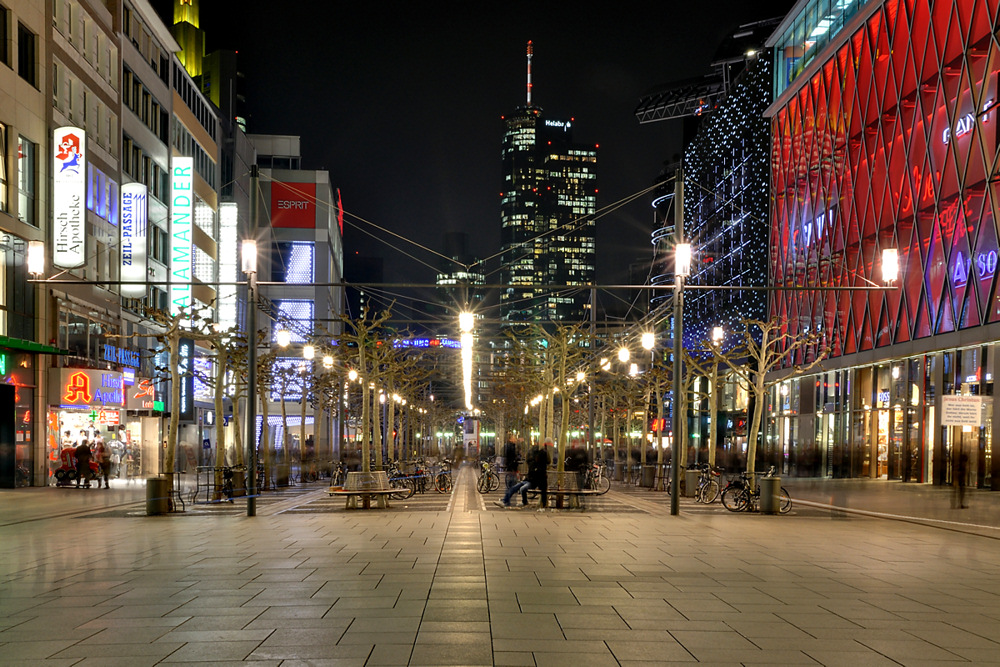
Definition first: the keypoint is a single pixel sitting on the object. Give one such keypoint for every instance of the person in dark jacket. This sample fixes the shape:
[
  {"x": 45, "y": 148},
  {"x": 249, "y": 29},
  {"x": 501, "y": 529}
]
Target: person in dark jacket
[
  {"x": 510, "y": 460},
  {"x": 83, "y": 455},
  {"x": 538, "y": 470}
]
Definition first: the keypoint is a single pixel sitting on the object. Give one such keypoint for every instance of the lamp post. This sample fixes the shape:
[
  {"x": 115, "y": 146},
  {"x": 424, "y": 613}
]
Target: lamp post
[
  {"x": 249, "y": 256},
  {"x": 682, "y": 268},
  {"x": 718, "y": 334}
]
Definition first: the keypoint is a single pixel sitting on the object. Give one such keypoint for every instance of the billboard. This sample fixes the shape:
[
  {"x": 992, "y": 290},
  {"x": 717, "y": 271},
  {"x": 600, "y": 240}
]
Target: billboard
[
  {"x": 181, "y": 223},
  {"x": 134, "y": 223},
  {"x": 293, "y": 205},
  {"x": 69, "y": 198}
]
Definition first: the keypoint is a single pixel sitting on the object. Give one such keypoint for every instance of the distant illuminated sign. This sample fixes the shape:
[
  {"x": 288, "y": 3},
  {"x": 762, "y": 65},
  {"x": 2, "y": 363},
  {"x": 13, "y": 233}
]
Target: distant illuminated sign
[
  {"x": 181, "y": 219},
  {"x": 120, "y": 355},
  {"x": 186, "y": 372},
  {"x": 69, "y": 192},
  {"x": 965, "y": 124},
  {"x": 142, "y": 396},
  {"x": 87, "y": 387},
  {"x": 558, "y": 123},
  {"x": 293, "y": 205},
  {"x": 134, "y": 222}
]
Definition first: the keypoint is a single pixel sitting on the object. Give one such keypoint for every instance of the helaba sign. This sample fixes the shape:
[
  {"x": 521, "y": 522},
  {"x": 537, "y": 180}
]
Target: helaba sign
[
  {"x": 86, "y": 387},
  {"x": 134, "y": 221},
  {"x": 293, "y": 205},
  {"x": 69, "y": 196},
  {"x": 181, "y": 222}
]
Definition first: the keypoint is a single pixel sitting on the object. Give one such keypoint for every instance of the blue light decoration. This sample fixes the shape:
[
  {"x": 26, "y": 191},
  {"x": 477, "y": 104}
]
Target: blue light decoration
[
  {"x": 294, "y": 388},
  {"x": 429, "y": 342},
  {"x": 203, "y": 391},
  {"x": 298, "y": 310},
  {"x": 299, "y": 262}
]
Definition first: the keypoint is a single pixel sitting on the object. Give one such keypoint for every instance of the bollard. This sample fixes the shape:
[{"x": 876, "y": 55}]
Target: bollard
[
  {"x": 691, "y": 483},
  {"x": 770, "y": 491},
  {"x": 157, "y": 495}
]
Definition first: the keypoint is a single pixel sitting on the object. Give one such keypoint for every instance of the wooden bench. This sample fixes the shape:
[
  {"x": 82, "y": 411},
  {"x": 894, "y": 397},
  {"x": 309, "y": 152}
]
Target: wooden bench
[
  {"x": 366, "y": 485},
  {"x": 564, "y": 485}
]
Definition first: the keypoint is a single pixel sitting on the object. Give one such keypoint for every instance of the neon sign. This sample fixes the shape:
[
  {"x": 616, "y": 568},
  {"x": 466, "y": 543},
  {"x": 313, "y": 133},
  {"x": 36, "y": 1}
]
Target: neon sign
[
  {"x": 985, "y": 267},
  {"x": 119, "y": 355},
  {"x": 134, "y": 227},
  {"x": 964, "y": 124},
  {"x": 90, "y": 387},
  {"x": 181, "y": 249}
]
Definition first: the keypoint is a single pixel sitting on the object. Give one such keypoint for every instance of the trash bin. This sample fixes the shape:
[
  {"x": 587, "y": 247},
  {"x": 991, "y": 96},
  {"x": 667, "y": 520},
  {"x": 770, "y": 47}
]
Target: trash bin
[
  {"x": 648, "y": 476},
  {"x": 690, "y": 483},
  {"x": 157, "y": 495},
  {"x": 770, "y": 492}
]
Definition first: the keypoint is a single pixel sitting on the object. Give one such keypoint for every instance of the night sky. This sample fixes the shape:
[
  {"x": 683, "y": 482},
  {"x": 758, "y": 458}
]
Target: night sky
[{"x": 402, "y": 104}]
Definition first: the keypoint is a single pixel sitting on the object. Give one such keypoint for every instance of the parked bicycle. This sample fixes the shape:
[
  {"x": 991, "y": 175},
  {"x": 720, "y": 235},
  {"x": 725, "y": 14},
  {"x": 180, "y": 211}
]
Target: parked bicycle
[
  {"x": 597, "y": 479},
  {"x": 709, "y": 489},
  {"x": 489, "y": 480},
  {"x": 742, "y": 494}
]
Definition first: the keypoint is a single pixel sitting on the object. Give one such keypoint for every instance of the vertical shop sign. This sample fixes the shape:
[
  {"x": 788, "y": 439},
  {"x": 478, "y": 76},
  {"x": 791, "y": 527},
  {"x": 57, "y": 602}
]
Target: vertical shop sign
[
  {"x": 69, "y": 193},
  {"x": 186, "y": 371},
  {"x": 181, "y": 222},
  {"x": 133, "y": 239}
]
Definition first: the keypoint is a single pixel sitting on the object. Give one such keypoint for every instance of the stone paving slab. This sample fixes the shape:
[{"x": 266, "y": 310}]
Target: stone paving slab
[{"x": 459, "y": 582}]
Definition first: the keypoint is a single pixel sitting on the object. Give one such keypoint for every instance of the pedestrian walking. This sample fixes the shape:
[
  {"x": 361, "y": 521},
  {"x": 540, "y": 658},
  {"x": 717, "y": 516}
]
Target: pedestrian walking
[
  {"x": 103, "y": 452},
  {"x": 83, "y": 454},
  {"x": 538, "y": 471}
]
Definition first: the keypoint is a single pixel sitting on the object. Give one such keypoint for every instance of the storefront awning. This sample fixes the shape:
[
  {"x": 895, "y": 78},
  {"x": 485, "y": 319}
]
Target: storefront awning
[{"x": 22, "y": 345}]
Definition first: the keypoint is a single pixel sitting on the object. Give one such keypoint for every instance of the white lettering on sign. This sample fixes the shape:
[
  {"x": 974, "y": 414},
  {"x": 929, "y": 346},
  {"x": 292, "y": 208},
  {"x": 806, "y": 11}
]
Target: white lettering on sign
[
  {"x": 297, "y": 205},
  {"x": 985, "y": 266},
  {"x": 965, "y": 124},
  {"x": 181, "y": 218},
  {"x": 557, "y": 123}
]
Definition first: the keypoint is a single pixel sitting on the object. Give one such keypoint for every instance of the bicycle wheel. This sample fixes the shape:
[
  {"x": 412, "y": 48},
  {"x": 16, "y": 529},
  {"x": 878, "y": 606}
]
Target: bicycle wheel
[
  {"x": 710, "y": 492},
  {"x": 602, "y": 485},
  {"x": 784, "y": 501},
  {"x": 734, "y": 499},
  {"x": 407, "y": 489},
  {"x": 443, "y": 483},
  {"x": 494, "y": 481},
  {"x": 483, "y": 485}
]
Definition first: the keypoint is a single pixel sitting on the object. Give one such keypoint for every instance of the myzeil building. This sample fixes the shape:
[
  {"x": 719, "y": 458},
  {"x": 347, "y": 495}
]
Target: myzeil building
[{"x": 884, "y": 135}]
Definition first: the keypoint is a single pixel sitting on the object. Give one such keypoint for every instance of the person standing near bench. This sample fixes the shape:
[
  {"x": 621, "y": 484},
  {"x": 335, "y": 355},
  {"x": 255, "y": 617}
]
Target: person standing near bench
[{"x": 510, "y": 460}]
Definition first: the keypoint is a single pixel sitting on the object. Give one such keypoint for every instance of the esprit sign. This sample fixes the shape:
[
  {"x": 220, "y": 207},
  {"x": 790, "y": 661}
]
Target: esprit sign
[
  {"x": 293, "y": 205},
  {"x": 965, "y": 124},
  {"x": 133, "y": 239},
  {"x": 181, "y": 221},
  {"x": 87, "y": 387},
  {"x": 69, "y": 196}
]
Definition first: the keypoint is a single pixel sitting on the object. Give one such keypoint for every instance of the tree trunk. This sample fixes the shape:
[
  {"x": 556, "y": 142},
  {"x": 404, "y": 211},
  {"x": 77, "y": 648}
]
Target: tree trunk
[
  {"x": 265, "y": 439},
  {"x": 174, "y": 345},
  {"x": 713, "y": 414},
  {"x": 240, "y": 459},
  {"x": 302, "y": 425},
  {"x": 220, "y": 431}
]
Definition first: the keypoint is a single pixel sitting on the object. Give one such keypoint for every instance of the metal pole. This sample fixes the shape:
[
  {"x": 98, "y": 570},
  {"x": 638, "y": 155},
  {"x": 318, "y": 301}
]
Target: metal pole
[
  {"x": 593, "y": 374},
  {"x": 251, "y": 322},
  {"x": 678, "y": 335},
  {"x": 252, "y": 397}
]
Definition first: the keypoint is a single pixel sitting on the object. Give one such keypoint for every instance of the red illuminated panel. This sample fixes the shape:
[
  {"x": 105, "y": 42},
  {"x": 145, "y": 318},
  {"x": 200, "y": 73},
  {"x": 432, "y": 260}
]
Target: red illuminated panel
[
  {"x": 293, "y": 205},
  {"x": 891, "y": 144}
]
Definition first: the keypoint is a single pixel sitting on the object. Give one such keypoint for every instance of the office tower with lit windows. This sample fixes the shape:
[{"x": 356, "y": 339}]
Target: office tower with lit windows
[{"x": 548, "y": 199}]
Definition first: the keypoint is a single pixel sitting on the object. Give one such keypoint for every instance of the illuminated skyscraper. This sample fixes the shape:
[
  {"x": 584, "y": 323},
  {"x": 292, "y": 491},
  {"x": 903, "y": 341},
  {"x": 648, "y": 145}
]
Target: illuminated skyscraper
[{"x": 548, "y": 200}]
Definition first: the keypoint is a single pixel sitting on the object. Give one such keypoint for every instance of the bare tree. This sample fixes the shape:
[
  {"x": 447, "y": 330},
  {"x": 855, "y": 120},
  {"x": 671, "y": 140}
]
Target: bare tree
[{"x": 775, "y": 349}]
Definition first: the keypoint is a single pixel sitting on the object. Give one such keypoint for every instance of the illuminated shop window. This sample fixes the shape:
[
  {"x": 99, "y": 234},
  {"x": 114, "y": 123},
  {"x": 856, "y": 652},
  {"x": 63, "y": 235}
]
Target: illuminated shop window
[
  {"x": 296, "y": 315},
  {"x": 294, "y": 262}
]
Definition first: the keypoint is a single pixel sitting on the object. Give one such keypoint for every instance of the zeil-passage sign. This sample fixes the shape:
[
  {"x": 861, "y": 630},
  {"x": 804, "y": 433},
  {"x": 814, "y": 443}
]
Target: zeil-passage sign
[{"x": 962, "y": 410}]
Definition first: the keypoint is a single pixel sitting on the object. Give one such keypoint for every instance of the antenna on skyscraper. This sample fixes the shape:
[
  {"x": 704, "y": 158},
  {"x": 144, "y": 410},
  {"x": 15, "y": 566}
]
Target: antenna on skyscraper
[{"x": 529, "y": 72}]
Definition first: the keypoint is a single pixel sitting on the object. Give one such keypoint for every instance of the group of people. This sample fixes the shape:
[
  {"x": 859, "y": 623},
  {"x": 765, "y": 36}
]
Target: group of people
[
  {"x": 84, "y": 453},
  {"x": 536, "y": 478}
]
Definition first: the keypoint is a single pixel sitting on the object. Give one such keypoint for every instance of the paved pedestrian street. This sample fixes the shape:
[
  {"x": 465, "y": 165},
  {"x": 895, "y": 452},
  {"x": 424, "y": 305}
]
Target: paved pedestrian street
[{"x": 454, "y": 580}]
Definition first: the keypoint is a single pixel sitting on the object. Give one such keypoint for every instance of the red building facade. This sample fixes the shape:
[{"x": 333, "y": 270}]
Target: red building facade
[{"x": 886, "y": 137}]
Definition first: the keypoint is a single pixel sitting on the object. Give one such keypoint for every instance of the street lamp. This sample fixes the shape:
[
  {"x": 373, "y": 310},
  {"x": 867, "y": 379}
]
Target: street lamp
[
  {"x": 624, "y": 355},
  {"x": 283, "y": 337},
  {"x": 36, "y": 257},
  {"x": 249, "y": 266},
  {"x": 682, "y": 269},
  {"x": 309, "y": 352}
]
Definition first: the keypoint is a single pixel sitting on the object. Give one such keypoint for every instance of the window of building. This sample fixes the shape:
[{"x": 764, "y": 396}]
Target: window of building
[
  {"x": 3, "y": 167},
  {"x": 296, "y": 315},
  {"x": 17, "y": 304},
  {"x": 294, "y": 262},
  {"x": 27, "y": 175},
  {"x": 27, "y": 50},
  {"x": 4, "y": 31}
]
